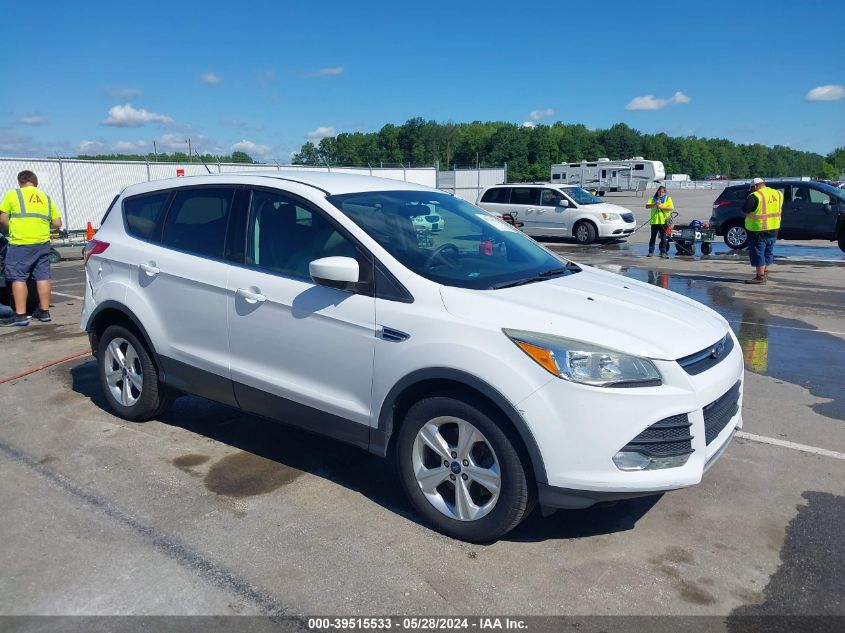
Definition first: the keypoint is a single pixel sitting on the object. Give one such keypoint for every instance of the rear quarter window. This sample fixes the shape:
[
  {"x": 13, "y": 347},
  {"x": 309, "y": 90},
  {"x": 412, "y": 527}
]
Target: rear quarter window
[{"x": 143, "y": 214}]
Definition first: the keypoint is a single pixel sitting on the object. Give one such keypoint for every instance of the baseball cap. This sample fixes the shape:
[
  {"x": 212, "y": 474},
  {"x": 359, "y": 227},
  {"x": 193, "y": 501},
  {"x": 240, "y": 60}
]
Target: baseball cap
[{"x": 756, "y": 181}]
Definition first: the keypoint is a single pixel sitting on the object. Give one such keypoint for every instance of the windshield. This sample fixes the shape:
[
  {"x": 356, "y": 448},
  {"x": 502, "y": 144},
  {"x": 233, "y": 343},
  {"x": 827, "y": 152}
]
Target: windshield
[
  {"x": 581, "y": 196},
  {"x": 456, "y": 243}
]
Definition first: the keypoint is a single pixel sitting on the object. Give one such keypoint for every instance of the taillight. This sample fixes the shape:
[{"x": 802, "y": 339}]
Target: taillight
[
  {"x": 723, "y": 203},
  {"x": 95, "y": 247}
]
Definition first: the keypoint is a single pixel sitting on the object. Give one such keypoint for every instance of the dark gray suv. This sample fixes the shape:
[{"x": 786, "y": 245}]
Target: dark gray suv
[{"x": 811, "y": 211}]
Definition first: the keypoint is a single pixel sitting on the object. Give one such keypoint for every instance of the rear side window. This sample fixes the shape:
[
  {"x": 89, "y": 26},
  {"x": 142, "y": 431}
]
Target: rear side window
[
  {"x": 498, "y": 195},
  {"x": 525, "y": 195},
  {"x": 196, "y": 222},
  {"x": 143, "y": 213}
]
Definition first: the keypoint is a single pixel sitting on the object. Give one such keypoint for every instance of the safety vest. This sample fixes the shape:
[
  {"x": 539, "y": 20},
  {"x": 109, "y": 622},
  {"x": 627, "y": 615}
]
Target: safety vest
[
  {"x": 660, "y": 216},
  {"x": 30, "y": 222},
  {"x": 766, "y": 217}
]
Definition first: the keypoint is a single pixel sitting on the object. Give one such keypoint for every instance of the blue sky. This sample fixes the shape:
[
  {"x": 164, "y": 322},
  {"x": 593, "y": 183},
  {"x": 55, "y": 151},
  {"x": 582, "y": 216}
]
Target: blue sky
[{"x": 265, "y": 77}]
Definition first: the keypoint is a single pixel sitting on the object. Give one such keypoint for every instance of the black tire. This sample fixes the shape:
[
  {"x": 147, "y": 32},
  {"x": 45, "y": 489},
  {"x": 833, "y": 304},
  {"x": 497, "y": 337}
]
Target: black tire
[
  {"x": 153, "y": 397},
  {"x": 842, "y": 240},
  {"x": 517, "y": 490},
  {"x": 55, "y": 257},
  {"x": 686, "y": 249},
  {"x": 584, "y": 232},
  {"x": 736, "y": 236},
  {"x": 706, "y": 248}
]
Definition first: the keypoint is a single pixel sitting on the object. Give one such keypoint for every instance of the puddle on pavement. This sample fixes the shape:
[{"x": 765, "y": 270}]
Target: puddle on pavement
[
  {"x": 246, "y": 475},
  {"x": 785, "y": 349},
  {"x": 720, "y": 252},
  {"x": 187, "y": 463}
]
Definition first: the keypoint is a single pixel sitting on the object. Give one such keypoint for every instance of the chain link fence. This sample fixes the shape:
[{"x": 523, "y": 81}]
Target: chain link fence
[{"x": 83, "y": 189}]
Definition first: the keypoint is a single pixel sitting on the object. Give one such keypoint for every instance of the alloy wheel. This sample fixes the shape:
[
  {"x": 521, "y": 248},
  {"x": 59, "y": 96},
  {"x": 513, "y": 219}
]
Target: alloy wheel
[
  {"x": 456, "y": 468},
  {"x": 124, "y": 375},
  {"x": 736, "y": 236}
]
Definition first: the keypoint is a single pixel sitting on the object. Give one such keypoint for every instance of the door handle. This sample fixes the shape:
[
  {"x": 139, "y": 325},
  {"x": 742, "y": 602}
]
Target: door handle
[
  {"x": 251, "y": 297},
  {"x": 151, "y": 270},
  {"x": 541, "y": 210}
]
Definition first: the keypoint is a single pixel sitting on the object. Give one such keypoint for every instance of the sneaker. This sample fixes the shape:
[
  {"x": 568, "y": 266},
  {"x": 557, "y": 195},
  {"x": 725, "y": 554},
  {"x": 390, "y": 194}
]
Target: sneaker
[
  {"x": 756, "y": 280},
  {"x": 18, "y": 320},
  {"x": 664, "y": 255},
  {"x": 42, "y": 315},
  {"x": 650, "y": 254}
]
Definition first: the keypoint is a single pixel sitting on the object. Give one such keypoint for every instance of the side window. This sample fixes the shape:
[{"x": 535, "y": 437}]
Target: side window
[
  {"x": 197, "y": 219},
  {"x": 525, "y": 195},
  {"x": 285, "y": 237},
  {"x": 550, "y": 198},
  {"x": 801, "y": 194},
  {"x": 498, "y": 195},
  {"x": 639, "y": 167},
  {"x": 742, "y": 194},
  {"x": 819, "y": 197},
  {"x": 143, "y": 213},
  {"x": 555, "y": 176}
]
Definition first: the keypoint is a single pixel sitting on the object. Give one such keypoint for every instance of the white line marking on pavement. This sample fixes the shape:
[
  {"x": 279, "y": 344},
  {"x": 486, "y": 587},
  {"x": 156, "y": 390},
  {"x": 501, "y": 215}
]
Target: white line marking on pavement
[
  {"x": 788, "y": 327},
  {"x": 798, "y": 447},
  {"x": 61, "y": 294}
]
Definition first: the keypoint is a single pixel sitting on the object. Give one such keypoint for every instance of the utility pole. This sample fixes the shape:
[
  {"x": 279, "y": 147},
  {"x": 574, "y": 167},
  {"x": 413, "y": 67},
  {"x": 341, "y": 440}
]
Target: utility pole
[
  {"x": 155, "y": 151},
  {"x": 189, "y": 151}
]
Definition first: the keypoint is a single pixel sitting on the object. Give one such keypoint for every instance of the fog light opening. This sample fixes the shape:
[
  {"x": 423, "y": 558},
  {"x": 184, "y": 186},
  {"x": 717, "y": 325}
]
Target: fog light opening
[{"x": 633, "y": 461}]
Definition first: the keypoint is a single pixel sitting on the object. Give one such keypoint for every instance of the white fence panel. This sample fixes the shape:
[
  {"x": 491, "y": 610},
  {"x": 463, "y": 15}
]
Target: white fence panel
[
  {"x": 49, "y": 178},
  {"x": 90, "y": 188}
]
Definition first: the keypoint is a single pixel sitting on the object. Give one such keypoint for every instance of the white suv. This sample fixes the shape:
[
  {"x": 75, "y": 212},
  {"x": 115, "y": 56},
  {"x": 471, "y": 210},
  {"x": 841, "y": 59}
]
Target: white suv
[
  {"x": 496, "y": 374},
  {"x": 548, "y": 210}
]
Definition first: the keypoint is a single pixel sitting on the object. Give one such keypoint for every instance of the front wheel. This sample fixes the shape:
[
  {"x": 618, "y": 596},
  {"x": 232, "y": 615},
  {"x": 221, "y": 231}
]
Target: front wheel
[
  {"x": 461, "y": 469},
  {"x": 128, "y": 377},
  {"x": 706, "y": 248},
  {"x": 736, "y": 237},
  {"x": 584, "y": 232},
  {"x": 54, "y": 256}
]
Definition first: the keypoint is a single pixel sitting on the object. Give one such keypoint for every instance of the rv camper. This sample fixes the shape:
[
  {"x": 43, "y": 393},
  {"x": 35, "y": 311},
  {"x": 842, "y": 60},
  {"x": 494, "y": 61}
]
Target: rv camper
[{"x": 606, "y": 175}]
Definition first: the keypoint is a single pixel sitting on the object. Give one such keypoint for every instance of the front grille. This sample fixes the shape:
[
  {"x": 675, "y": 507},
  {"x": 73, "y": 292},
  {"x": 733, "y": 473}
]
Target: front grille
[
  {"x": 628, "y": 217},
  {"x": 667, "y": 438},
  {"x": 718, "y": 413},
  {"x": 711, "y": 356},
  {"x": 433, "y": 218}
]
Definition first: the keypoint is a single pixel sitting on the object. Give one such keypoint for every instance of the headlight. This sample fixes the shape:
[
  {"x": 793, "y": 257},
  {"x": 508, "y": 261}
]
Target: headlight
[
  {"x": 585, "y": 363},
  {"x": 610, "y": 217}
]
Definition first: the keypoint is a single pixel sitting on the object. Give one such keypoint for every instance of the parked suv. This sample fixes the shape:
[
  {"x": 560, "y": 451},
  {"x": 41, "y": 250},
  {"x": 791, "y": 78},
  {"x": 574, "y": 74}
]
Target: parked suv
[
  {"x": 549, "y": 210},
  {"x": 811, "y": 210},
  {"x": 494, "y": 373}
]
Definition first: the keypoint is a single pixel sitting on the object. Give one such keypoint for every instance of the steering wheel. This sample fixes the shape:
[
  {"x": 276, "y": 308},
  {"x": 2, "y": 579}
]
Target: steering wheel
[{"x": 440, "y": 253}]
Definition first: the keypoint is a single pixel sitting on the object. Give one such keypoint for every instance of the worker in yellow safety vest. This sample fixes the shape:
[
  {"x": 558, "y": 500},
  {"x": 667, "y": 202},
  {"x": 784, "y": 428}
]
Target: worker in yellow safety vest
[
  {"x": 29, "y": 214},
  {"x": 661, "y": 206},
  {"x": 762, "y": 210}
]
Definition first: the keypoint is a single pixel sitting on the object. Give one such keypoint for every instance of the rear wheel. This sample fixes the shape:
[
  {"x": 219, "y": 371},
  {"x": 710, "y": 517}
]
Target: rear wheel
[
  {"x": 842, "y": 240},
  {"x": 461, "y": 469},
  {"x": 584, "y": 232},
  {"x": 128, "y": 377},
  {"x": 55, "y": 258},
  {"x": 706, "y": 248},
  {"x": 736, "y": 237}
]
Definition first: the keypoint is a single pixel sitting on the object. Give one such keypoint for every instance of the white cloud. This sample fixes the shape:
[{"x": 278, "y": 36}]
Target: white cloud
[
  {"x": 529, "y": 124},
  {"x": 124, "y": 93},
  {"x": 127, "y": 116},
  {"x": 210, "y": 78},
  {"x": 320, "y": 133},
  {"x": 829, "y": 92},
  {"x": 333, "y": 71},
  {"x": 536, "y": 115},
  {"x": 129, "y": 146},
  {"x": 35, "y": 119},
  {"x": 650, "y": 102},
  {"x": 173, "y": 142},
  {"x": 254, "y": 149},
  {"x": 88, "y": 147}
]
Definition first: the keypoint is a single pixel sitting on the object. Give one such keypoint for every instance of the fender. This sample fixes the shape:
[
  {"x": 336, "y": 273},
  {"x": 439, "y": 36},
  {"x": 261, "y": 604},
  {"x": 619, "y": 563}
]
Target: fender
[
  {"x": 110, "y": 304},
  {"x": 380, "y": 437}
]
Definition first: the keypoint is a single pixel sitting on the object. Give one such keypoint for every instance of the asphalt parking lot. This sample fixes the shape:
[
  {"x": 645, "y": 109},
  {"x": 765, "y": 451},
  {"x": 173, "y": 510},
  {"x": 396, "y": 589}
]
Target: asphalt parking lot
[{"x": 208, "y": 511}]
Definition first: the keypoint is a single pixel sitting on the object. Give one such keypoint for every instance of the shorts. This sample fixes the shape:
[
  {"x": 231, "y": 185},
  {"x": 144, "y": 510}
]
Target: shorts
[
  {"x": 28, "y": 260},
  {"x": 761, "y": 249}
]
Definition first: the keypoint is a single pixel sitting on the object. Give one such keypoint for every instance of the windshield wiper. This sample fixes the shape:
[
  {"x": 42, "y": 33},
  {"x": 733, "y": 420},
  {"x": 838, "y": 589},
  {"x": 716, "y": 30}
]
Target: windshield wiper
[{"x": 546, "y": 274}]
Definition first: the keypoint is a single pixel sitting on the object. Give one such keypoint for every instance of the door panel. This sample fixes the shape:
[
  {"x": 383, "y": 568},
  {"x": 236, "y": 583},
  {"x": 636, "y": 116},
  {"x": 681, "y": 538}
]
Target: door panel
[
  {"x": 292, "y": 340},
  {"x": 550, "y": 218},
  {"x": 809, "y": 218}
]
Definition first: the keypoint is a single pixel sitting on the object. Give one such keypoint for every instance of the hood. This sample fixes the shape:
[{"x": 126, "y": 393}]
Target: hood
[
  {"x": 606, "y": 207},
  {"x": 596, "y": 307}
]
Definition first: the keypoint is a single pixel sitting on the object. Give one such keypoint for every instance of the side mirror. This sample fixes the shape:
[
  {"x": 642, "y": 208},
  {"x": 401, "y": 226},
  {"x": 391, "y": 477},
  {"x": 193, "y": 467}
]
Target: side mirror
[
  {"x": 563, "y": 202},
  {"x": 828, "y": 208},
  {"x": 334, "y": 272}
]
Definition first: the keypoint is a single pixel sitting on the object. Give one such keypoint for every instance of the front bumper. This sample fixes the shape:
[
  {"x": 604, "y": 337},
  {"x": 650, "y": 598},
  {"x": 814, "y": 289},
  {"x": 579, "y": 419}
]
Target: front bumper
[
  {"x": 616, "y": 229},
  {"x": 579, "y": 429}
]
